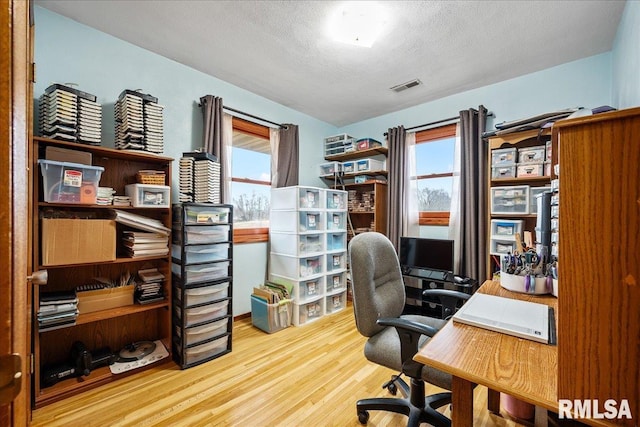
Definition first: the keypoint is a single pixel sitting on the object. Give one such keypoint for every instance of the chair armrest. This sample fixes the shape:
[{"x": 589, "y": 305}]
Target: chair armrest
[
  {"x": 408, "y": 325},
  {"x": 446, "y": 293},
  {"x": 448, "y": 298}
]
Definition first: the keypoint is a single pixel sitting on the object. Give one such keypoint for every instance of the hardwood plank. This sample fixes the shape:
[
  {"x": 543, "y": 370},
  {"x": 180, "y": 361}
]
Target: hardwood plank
[{"x": 314, "y": 372}]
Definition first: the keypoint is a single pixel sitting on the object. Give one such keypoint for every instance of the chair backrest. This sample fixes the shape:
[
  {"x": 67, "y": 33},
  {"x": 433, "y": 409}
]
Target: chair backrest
[{"x": 376, "y": 281}]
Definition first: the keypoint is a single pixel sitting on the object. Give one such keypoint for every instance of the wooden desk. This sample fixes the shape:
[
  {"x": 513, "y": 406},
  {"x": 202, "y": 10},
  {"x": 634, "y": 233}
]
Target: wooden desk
[{"x": 521, "y": 368}]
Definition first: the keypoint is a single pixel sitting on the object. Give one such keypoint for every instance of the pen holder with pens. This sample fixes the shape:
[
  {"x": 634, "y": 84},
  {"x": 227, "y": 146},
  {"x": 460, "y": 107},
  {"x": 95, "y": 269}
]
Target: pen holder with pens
[{"x": 526, "y": 275}]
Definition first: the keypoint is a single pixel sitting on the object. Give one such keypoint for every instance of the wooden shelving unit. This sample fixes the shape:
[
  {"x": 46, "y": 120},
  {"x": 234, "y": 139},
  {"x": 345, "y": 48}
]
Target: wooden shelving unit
[{"x": 114, "y": 328}]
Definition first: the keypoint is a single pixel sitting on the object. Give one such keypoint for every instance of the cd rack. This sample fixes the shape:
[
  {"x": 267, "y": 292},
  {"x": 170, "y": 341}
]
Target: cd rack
[
  {"x": 69, "y": 114},
  {"x": 139, "y": 122}
]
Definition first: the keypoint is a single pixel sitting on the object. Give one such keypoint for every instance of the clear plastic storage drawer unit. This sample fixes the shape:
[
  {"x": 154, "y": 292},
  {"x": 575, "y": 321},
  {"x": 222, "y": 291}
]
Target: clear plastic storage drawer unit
[
  {"x": 535, "y": 154},
  {"x": 204, "y": 294},
  {"x": 296, "y": 267},
  {"x": 201, "y": 253},
  {"x": 336, "y": 261},
  {"x": 204, "y": 332},
  {"x": 195, "y": 214},
  {"x": 329, "y": 169},
  {"x": 196, "y": 234},
  {"x": 336, "y": 241},
  {"x": 369, "y": 165},
  {"x": 506, "y": 228},
  {"x": 504, "y": 157},
  {"x": 510, "y": 200},
  {"x": 296, "y": 221},
  {"x": 336, "y": 221},
  {"x": 308, "y": 312},
  {"x": 199, "y": 315},
  {"x": 296, "y": 197},
  {"x": 336, "y": 281},
  {"x": 302, "y": 290},
  {"x": 149, "y": 195},
  {"x": 205, "y": 351},
  {"x": 335, "y": 302},
  {"x": 498, "y": 172},
  {"x": 531, "y": 169},
  {"x": 202, "y": 272},
  {"x": 335, "y": 199},
  {"x": 296, "y": 244}
]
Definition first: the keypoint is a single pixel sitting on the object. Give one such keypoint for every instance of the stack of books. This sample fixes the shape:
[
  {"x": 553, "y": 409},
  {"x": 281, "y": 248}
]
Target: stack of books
[
  {"x": 141, "y": 244},
  {"x": 57, "y": 310},
  {"x": 149, "y": 289},
  {"x": 105, "y": 196}
]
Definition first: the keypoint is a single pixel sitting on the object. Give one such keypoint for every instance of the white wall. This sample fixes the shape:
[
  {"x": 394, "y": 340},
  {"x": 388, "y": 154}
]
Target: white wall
[{"x": 626, "y": 58}]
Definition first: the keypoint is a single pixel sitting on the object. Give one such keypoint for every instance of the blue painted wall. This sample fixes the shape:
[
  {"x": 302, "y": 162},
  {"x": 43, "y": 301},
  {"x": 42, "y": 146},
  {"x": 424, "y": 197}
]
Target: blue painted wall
[{"x": 626, "y": 58}]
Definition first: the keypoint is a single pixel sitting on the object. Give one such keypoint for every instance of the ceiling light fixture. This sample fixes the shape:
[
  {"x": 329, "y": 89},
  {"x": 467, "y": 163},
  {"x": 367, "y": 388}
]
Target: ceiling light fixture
[
  {"x": 358, "y": 23},
  {"x": 406, "y": 85}
]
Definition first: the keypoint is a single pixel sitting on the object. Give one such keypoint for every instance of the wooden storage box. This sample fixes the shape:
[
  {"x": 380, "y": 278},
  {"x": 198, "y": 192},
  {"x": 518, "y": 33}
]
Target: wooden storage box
[{"x": 105, "y": 299}]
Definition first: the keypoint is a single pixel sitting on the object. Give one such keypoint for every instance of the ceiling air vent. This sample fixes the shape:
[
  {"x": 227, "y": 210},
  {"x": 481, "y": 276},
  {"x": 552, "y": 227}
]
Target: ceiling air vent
[{"x": 407, "y": 85}]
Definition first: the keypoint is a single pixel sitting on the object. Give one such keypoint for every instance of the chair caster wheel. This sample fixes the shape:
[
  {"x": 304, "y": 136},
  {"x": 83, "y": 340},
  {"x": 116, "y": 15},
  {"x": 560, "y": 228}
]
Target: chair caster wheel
[
  {"x": 363, "y": 417},
  {"x": 393, "y": 389}
]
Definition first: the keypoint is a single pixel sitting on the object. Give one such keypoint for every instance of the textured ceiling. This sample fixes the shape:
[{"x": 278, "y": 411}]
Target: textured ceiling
[{"x": 282, "y": 51}]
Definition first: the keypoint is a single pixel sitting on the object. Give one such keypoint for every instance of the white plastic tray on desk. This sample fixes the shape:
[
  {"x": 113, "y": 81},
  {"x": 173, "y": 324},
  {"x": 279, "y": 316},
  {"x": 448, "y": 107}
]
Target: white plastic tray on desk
[
  {"x": 296, "y": 267},
  {"x": 297, "y": 244},
  {"x": 293, "y": 221},
  {"x": 296, "y": 197}
]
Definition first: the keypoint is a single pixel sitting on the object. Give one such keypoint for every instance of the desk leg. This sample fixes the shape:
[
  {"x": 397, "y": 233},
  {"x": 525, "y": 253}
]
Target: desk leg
[
  {"x": 462, "y": 402},
  {"x": 541, "y": 417},
  {"x": 493, "y": 401}
]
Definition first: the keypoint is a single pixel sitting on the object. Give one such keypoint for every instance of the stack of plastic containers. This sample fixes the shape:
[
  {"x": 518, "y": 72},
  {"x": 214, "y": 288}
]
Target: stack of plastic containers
[
  {"x": 308, "y": 235},
  {"x": 202, "y": 278}
]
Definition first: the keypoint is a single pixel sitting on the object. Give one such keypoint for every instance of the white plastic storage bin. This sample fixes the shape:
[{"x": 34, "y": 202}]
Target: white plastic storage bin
[
  {"x": 203, "y": 294},
  {"x": 349, "y": 167},
  {"x": 336, "y": 261},
  {"x": 498, "y": 172},
  {"x": 205, "y": 351},
  {"x": 296, "y": 197},
  {"x": 296, "y": 244},
  {"x": 500, "y": 247},
  {"x": 506, "y": 228},
  {"x": 336, "y": 281},
  {"x": 335, "y": 199},
  {"x": 336, "y": 221},
  {"x": 308, "y": 311},
  {"x": 64, "y": 182},
  {"x": 290, "y": 221},
  {"x": 296, "y": 267},
  {"x": 196, "y": 234},
  {"x": 335, "y": 302},
  {"x": 537, "y": 154},
  {"x": 338, "y": 144},
  {"x": 369, "y": 165},
  {"x": 203, "y": 214},
  {"x": 504, "y": 156},
  {"x": 148, "y": 195},
  {"x": 329, "y": 169},
  {"x": 533, "y": 200},
  {"x": 201, "y": 253},
  {"x": 199, "y": 315},
  {"x": 303, "y": 290},
  {"x": 202, "y": 272},
  {"x": 510, "y": 200},
  {"x": 336, "y": 241},
  {"x": 530, "y": 169},
  {"x": 203, "y": 333}
]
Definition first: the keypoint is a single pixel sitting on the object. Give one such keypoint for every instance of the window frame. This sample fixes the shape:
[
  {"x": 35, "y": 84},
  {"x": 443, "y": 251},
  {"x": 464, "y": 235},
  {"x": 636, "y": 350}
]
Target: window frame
[
  {"x": 255, "y": 234},
  {"x": 438, "y": 218}
]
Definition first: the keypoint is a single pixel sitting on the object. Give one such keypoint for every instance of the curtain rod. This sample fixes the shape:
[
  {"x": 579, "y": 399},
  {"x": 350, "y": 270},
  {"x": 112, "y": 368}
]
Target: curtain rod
[
  {"x": 437, "y": 122},
  {"x": 281, "y": 126}
]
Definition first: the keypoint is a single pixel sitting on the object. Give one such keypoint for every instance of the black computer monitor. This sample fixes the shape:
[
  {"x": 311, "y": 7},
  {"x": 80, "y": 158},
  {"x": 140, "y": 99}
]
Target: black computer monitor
[{"x": 426, "y": 254}]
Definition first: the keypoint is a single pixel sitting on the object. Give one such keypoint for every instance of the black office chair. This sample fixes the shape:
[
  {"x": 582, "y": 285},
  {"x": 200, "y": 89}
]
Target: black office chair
[{"x": 393, "y": 338}]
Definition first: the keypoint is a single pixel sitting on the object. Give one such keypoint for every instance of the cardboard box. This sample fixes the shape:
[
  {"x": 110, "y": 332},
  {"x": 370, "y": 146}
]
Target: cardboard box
[
  {"x": 66, "y": 155},
  {"x": 77, "y": 241},
  {"x": 105, "y": 299}
]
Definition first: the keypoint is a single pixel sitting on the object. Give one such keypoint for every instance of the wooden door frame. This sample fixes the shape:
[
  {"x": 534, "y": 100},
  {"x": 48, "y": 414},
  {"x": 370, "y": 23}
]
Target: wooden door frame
[{"x": 15, "y": 127}]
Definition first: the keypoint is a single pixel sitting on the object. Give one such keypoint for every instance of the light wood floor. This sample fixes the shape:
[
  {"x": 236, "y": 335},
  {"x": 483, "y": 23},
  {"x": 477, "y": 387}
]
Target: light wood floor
[{"x": 301, "y": 376}]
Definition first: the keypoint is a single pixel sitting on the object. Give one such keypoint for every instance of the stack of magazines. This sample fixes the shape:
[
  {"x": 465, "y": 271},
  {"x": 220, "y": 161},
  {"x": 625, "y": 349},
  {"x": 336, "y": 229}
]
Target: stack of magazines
[
  {"x": 139, "y": 244},
  {"x": 149, "y": 289},
  {"x": 57, "y": 310}
]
